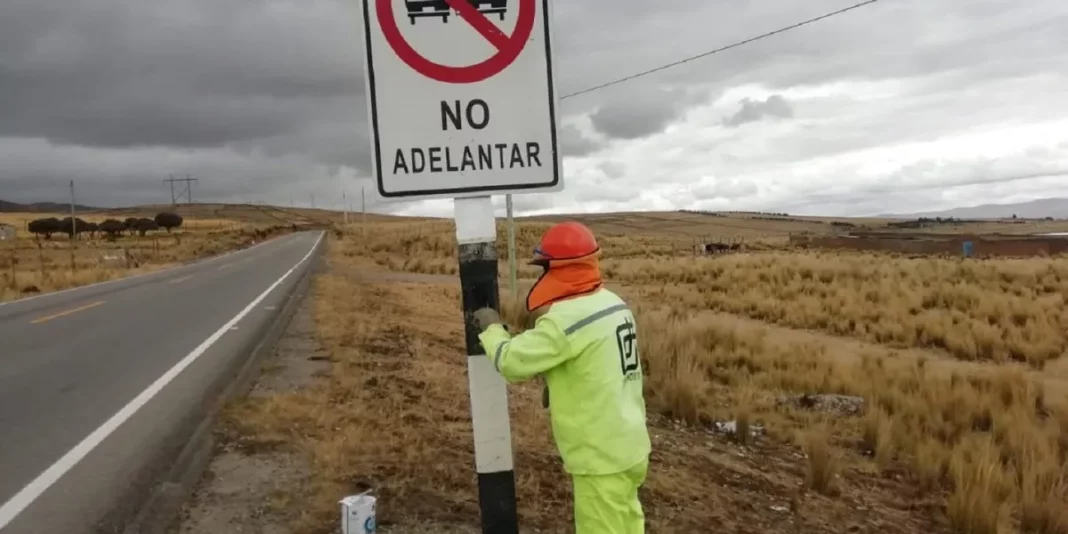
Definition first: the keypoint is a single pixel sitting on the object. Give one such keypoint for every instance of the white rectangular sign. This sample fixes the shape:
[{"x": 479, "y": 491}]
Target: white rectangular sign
[{"x": 461, "y": 97}]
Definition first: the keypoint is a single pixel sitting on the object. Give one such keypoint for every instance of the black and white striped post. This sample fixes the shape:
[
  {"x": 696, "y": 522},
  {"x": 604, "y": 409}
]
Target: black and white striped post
[{"x": 476, "y": 236}]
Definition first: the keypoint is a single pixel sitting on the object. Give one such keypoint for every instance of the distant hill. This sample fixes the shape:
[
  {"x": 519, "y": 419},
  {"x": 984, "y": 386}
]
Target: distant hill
[
  {"x": 41, "y": 207},
  {"x": 1035, "y": 209}
]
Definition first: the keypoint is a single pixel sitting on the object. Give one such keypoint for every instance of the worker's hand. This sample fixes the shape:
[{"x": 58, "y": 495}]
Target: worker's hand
[{"x": 484, "y": 317}]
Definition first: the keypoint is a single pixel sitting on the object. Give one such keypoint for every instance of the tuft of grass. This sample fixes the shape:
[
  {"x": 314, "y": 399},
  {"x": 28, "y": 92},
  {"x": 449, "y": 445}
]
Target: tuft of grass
[
  {"x": 878, "y": 438},
  {"x": 823, "y": 463},
  {"x": 1043, "y": 488},
  {"x": 743, "y": 417},
  {"x": 981, "y": 487}
]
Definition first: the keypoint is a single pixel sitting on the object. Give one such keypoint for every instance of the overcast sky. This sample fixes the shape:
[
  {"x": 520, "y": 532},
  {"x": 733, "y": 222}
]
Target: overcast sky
[{"x": 903, "y": 105}]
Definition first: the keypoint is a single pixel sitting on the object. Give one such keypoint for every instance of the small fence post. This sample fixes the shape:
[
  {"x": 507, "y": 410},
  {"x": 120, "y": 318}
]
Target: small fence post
[
  {"x": 14, "y": 271},
  {"x": 41, "y": 258},
  {"x": 73, "y": 262}
]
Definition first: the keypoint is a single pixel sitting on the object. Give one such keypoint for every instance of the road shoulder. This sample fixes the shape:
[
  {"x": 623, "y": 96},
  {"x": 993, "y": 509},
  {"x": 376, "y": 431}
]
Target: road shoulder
[{"x": 241, "y": 489}]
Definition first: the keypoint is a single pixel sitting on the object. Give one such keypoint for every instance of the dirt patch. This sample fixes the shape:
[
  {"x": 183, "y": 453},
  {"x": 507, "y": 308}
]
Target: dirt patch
[
  {"x": 297, "y": 359},
  {"x": 430, "y": 528},
  {"x": 243, "y": 493}
]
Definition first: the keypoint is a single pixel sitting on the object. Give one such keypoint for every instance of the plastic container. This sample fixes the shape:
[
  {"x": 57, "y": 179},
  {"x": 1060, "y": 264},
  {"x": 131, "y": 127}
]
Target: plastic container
[{"x": 358, "y": 514}]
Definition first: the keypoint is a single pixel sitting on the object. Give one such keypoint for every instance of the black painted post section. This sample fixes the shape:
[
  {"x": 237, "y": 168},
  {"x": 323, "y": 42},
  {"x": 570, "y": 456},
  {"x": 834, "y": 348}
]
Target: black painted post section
[{"x": 479, "y": 289}]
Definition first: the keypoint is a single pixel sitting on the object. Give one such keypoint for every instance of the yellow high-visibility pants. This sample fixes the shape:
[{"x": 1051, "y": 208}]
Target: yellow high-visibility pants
[{"x": 608, "y": 504}]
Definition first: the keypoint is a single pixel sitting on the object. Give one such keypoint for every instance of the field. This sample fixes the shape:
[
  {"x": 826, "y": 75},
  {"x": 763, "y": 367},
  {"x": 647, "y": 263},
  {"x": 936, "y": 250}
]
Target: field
[
  {"x": 257, "y": 214},
  {"x": 29, "y": 266},
  {"x": 868, "y": 393},
  {"x": 743, "y": 226}
]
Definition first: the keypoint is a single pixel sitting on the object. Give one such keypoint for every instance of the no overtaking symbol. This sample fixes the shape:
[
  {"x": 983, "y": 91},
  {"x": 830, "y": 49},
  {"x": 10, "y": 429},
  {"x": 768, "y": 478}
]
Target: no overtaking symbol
[{"x": 508, "y": 48}]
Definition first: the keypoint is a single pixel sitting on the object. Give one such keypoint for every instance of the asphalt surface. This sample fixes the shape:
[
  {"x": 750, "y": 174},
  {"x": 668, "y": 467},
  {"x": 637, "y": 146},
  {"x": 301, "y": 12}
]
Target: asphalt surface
[{"x": 95, "y": 382}]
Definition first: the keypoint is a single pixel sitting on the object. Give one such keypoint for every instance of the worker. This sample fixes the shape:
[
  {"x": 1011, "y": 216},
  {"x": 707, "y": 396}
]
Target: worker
[{"x": 584, "y": 343}]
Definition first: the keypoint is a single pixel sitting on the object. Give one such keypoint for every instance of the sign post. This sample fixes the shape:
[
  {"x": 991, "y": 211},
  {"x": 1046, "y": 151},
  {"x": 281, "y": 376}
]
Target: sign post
[{"x": 462, "y": 105}]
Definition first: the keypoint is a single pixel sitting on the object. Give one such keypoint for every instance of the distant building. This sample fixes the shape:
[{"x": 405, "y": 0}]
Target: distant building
[{"x": 7, "y": 232}]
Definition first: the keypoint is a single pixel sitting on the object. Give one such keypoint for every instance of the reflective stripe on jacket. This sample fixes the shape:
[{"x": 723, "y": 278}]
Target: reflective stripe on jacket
[{"x": 587, "y": 349}]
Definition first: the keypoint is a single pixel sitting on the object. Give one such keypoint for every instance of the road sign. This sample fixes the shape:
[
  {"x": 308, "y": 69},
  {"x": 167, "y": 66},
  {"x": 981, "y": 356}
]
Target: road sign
[{"x": 461, "y": 97}]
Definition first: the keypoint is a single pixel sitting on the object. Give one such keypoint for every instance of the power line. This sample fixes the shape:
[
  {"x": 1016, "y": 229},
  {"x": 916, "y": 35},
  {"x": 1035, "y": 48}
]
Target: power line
[{"x": 718, "y": 50}]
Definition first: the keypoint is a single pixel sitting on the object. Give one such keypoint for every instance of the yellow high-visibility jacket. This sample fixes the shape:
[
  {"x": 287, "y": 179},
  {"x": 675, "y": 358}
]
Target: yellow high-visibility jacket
[{"x": 587, "y": 349}]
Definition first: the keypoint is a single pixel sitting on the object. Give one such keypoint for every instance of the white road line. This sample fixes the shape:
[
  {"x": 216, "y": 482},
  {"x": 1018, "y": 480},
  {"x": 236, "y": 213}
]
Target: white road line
[
  {"x": 199, "y": 262},
  {"x": 25, "y": 497}
]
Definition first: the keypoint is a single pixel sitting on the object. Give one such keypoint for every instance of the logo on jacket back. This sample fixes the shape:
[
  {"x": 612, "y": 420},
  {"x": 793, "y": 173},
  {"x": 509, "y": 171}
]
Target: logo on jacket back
[{"x": 627, "y": 341}]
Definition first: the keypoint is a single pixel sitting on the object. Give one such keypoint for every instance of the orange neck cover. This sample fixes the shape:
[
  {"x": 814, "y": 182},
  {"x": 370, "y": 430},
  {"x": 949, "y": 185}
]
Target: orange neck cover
[{"x": 564, "y": 279}]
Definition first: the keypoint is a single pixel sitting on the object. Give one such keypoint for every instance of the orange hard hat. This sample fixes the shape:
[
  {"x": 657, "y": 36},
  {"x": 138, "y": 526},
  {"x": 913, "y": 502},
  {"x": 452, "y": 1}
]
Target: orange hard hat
[{"x": 564, "y": 241}]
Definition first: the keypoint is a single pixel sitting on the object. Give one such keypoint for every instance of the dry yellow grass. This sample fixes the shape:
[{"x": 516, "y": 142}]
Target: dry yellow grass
[
  {"x": 393, "y": 416},
  {"x": 916, "y": 418},
  {"x": 986, "y": 441},
  {"x": 976, "y": 310},
  {"x": 741, "y": 224},
  {"x": 29, "y": 266},
  {"x": 996, "y": 310},
  {"x": 242, "y": 213},
  {"x": 429, "y": 247}
]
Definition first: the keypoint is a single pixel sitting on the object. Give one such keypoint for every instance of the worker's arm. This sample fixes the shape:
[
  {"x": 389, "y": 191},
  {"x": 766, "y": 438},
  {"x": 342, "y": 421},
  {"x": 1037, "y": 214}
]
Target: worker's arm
[{"x": 528, "y": 354}]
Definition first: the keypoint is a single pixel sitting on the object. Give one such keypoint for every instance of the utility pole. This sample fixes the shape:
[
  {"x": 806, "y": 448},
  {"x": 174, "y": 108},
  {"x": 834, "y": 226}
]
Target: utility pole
[
  {"x": 188, "y": 193},
  {"x": 345, "y": 206},
  {"x": 344, "y": 198},
  {"x": 73, "y": 229},
  {"x": 73, "y": 215}
]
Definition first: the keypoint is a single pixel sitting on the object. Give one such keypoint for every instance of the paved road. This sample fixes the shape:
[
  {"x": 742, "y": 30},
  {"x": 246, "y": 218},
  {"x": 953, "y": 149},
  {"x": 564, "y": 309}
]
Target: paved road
[{"x": 95, "y": 382}]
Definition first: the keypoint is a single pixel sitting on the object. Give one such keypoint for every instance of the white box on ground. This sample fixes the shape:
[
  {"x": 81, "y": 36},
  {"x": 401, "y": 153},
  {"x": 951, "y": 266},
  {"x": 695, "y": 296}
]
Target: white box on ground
[
  {"x": 358, "y": 514},
  {"x": 461, "y": 97}
]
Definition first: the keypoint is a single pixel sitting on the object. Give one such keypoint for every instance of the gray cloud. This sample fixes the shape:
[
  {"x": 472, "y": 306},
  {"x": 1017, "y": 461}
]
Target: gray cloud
[
  {"x": 264, "y": 99},
  {"x": 883, "y": 41},
  {"x": 755, "y": 110},
  {"x": 612, "y": 169},
  {"x": 190, "y": 74},
  {"x": 525, "y": 203},
  {"x": 574, "y": 143},
  {"x": 35, "y": 170},
  {"x": 644, "y": 114}
]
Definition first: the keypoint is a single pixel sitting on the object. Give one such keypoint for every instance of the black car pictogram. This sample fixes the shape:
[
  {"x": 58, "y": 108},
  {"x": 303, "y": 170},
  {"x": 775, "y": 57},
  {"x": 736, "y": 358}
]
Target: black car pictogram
[
  {"x": 440, "y": 8},
  {"x": 500, "y": 7}
]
